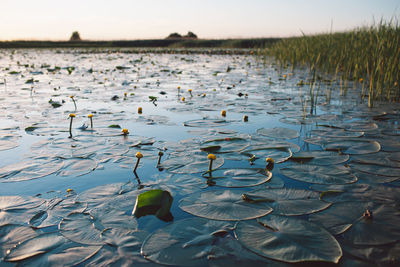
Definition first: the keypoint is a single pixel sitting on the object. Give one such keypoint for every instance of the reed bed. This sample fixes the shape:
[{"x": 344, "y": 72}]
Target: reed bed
[{"x": 368, "y": 56}]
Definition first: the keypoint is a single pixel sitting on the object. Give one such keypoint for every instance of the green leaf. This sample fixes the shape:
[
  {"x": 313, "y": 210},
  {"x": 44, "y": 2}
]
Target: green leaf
[{"x": 154, "y": 202}]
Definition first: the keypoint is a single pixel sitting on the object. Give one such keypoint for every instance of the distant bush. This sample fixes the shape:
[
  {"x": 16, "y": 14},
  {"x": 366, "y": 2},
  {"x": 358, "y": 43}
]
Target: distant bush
[
  {"x": 174, "y": 35},
  {"x": 75, "y": 37}
]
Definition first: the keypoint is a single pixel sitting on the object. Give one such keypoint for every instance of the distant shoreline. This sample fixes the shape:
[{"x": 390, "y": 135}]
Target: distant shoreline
[{"x": 154, "y": 43}]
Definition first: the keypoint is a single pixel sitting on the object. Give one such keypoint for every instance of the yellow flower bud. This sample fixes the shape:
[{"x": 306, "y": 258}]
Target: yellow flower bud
[
  {"x": 223, "y": 113},
  {"x": 211, "y": 156},
  {"x": 72, "y": 115},
  {"x": 90, "y": 116},
  {"x": 139, "y": 155},
  {"x": 125, "y": 131}
]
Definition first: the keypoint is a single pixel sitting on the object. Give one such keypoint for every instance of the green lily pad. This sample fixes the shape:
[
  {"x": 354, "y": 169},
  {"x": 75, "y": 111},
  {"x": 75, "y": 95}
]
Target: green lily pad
[
  {"x": 279, "y": 133},
  {"x": 154, "y": 202},
  {"x": 319, "y": 157},
  {"x": 186, "y": 242},
  {"x": 348, "y": 218},
  {"x": 225, "y": 205},
  {"x": 319, "y": 174},
  {"x": 288, "y": 239},
  {"x": 288, "y": 201}
]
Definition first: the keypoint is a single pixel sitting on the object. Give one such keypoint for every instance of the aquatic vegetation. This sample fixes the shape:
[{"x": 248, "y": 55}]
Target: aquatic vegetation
[
  {"x": 289, "y": 174},
  {"x": 90, "y": 116},
  {"x": 138, "y": 156},
  {"x": 366, "y": 57}
]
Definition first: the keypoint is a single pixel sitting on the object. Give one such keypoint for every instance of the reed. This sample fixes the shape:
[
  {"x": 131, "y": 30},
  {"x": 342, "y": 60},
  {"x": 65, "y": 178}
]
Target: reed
[{"x": 367, "y": 56}]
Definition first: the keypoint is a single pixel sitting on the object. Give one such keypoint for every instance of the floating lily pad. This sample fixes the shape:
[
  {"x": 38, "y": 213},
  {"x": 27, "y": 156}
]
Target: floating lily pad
[
  {"x": 10, "y": 203},
  {"x": 223, "y": 205},
  {"x": 279, "y": 133},
  {"x": 319, "y": 174},
  {"x": 12, "y": 235},
  {"x": 82, "y": 228},
  {"x": 279, "y": 154},
  {"x": 225, "y": 145},
  {"x": 350, "y": 218},
  {"x": 7, "y": 144},
  {"x": 28, "y": 170},
  {"x": 35, "y": 246},
  {"x": 154, "y": 202},
  {"x": 239, "y": 177},
  {"x": 353, "y": 147},
  {"x": 187, "y": 242},
  {"x": 55, "y": 212},
  {"x": 78, "y": 167},
  {"x": 190, "y": 164},
  {"x": 283, "y": 238},
  {"x": 205, "y": 123},
  {"x": 376, "y": 169},
  {"x": 336, "y": 133},
  {"x": 291, "y": 202},
  {"x": 319, "y": 157}
]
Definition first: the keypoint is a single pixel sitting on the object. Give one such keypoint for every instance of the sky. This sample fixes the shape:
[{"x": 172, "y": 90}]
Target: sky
[{"x": 214, "y": 19}]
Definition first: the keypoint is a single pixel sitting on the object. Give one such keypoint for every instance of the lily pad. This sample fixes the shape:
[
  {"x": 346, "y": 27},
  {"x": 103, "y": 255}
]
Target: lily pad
[
  {"x": 28, "y": 170},
  {"x": 225, "y": 205},
  {"x": 351, "y": 220},
  {"x": 225, "y": 145},
  {"x": 319, "y": 157},
  {"x": 78, "y": 167},
  {"x": 82, "y": 228},
  {"x": 288, "y": 239},
  {"x": 186, "y": 242},
  {"x": 353, "y": 147},
  {"x": 290, "y": 202},
  {"x": 239, "y": 177},
  {"x": 279, "y": 154},
  {"x": 7, "y": 144},
  {"x": 278, "y": 133},
  {"x": 154, "y": 202},
  {"x": 205, "y": 123},
  {"x": 13, "y": 234},
  {"x": 35, "y": 246},
  {"x": 319, "y": 174}
]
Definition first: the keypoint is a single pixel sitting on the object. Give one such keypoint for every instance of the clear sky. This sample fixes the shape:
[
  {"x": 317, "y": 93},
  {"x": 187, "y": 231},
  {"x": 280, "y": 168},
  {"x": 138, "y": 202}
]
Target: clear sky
[{"x": 146, "y": 19}]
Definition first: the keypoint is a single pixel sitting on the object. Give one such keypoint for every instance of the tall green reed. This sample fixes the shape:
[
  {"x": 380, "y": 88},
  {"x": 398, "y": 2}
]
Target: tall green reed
[{"x": 368, "y": 56}]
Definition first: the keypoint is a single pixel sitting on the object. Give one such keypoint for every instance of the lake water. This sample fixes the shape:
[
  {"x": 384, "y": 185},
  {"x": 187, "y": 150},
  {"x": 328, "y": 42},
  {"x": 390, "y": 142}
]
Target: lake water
[{"x": 336, "y": 162}]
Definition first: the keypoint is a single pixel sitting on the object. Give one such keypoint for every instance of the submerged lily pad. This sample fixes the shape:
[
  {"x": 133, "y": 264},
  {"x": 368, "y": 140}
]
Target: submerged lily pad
[
  {"x": 319, "y": 174},
  {"x": 288, "y": 239},
  {"x": 225, "y": 205},
  {"x": 279, "y": 133},
  {"x": 188, "y": 242}
]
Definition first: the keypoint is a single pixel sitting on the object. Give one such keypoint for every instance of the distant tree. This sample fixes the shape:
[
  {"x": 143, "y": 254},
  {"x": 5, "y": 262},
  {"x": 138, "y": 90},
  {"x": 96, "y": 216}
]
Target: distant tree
[
  {"x": 75, "y": 37},
  {"x": 191, "y": 35},
  {"x": 174, "y": 35}
]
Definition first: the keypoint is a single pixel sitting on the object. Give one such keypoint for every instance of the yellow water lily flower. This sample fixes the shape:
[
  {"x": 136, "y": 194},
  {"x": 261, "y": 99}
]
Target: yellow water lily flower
[
  {"x": 223, "y": 113},
  {"x": 125, "y": 131}
]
